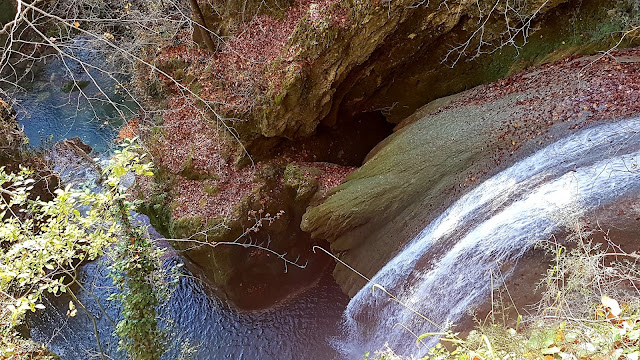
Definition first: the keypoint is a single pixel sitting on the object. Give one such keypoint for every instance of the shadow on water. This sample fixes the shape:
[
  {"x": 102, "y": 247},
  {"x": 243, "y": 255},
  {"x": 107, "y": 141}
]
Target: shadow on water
[{"x": 197, "y": 322}]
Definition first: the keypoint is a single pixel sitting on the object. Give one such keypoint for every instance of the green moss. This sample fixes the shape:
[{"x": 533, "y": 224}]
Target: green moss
[
  {"x": 185, "y": 227},
  {"x": 73, "y": 86},
  {"x": 210, "y": 189},
  {"x": 178, "y": 74},
  {"x": 156, "y": 89},
  {"x": 172, "y": 65},
  {"x": 195, "y": 87},
  {"x": 301, "y": 180},
  {"x": 158, "y": 210},
  {"x": 279, "y": 97},
  {"x": 589, "y": 28},
  {"x": 190, "y": 172}
]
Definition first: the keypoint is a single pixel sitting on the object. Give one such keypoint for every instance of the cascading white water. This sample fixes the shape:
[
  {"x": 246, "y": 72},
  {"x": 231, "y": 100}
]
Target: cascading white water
[{"x": 447, "y": 267}]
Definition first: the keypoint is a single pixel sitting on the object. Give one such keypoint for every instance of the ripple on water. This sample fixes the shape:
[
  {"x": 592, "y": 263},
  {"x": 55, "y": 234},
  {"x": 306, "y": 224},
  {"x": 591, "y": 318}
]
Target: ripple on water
[{"x": 300, "y": 328}]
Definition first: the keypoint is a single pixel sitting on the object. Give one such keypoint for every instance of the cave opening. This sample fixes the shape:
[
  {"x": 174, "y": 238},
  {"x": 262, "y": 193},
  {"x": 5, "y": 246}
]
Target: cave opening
[
  {"x": 347, "y": 142},
  {"x": 350, "y": 141}
]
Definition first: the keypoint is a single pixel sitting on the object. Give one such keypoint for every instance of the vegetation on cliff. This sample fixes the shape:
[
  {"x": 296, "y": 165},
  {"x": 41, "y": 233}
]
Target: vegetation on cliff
[
  {"x": 44, "y": 242},
  {"x": 452, "y": 144},
  {"x": 241, "y": 102},
  {"x": 339, "y": 59}
]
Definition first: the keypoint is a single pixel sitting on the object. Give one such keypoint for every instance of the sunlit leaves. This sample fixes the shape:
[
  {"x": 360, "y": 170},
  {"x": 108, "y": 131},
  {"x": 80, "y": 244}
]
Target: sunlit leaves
[{"x": 41, "y": 242}]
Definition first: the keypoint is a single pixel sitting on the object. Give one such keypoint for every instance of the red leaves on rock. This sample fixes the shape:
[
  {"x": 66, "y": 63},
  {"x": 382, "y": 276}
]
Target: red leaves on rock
[
  {"x": 189, "y": 144},
  {"x": 244, "y": 69},
  {"x": 192, "y": 200},
  {"x": 578, "y": 91},
  {"x": 332, "y": 174}
]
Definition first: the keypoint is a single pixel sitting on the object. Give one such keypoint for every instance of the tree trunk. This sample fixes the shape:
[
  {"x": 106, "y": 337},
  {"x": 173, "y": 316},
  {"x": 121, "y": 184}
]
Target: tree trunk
[{"x": 202, "y": 25}]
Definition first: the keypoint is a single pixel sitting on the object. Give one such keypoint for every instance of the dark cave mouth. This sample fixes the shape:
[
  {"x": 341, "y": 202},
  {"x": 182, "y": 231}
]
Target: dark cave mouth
[{"x": 346, "y": 143}]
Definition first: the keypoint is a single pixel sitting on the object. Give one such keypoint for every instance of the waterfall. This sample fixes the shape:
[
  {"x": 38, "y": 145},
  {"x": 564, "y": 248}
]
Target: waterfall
[{"x": 446, "y": 269}]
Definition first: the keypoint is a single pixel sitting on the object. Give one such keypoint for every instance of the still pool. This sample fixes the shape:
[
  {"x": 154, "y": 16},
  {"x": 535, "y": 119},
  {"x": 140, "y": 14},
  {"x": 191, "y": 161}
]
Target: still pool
[{"x": 60, "y": 100}]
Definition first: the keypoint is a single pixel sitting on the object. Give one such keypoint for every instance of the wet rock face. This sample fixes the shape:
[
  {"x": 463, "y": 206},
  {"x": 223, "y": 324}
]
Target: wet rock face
[
  {"x": 257, "y": 256},
  {"x": 448, "y": 146},
  {"x": 253, "y": 278}
]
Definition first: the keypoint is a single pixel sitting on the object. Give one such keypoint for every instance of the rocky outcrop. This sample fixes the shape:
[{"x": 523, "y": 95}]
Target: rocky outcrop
[
  {"x": 251, "y": 249},
  {"x": 314, "y": 64},
  {"x": 446, "y": 147},
  {"x": 330, "y": 60}
]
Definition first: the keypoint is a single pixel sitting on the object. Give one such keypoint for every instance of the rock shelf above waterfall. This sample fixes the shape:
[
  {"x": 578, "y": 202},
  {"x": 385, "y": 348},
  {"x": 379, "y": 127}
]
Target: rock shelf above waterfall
[{"x": 452, "y": 144}]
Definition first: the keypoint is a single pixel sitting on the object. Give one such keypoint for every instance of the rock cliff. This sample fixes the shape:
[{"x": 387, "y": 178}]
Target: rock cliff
[{"x": 315, "y": 85}]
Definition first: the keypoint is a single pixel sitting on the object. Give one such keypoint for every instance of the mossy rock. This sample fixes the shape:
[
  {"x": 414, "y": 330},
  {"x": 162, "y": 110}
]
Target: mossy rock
[
  {"x": 172, "y": 65},
  {"x": 210, "y": 189},
  {"x": 385, "y": 50},
  {"x": 437, "y": 154},
  {"x": 302, "y": 180}
]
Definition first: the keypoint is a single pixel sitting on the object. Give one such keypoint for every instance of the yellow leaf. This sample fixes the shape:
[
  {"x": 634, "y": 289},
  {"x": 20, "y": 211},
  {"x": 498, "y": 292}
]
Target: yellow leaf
[
  {"x": 72, "y": 310},
  {"x": 76, "y": 24}
]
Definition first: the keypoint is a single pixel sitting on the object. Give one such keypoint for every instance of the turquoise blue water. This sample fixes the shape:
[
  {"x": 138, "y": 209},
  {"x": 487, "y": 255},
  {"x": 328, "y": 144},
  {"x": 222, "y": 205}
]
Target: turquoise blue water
[{"x": 49, "y": 114}]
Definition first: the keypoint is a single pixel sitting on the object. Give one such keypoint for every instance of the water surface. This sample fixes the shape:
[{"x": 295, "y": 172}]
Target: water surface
[
  {"x": 198, "y": 323},
  {"x": 50, "y": 108}
]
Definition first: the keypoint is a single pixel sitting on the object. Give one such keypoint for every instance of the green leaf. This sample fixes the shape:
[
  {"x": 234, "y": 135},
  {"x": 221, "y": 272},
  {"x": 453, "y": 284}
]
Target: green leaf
[
  {"x": 426, "y": 335},
  {"x": 542, "y": 339},
  {"x": 634, "y": 334}
]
